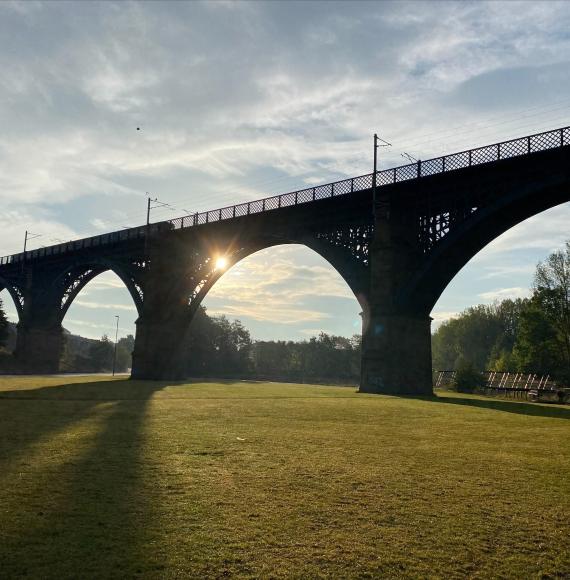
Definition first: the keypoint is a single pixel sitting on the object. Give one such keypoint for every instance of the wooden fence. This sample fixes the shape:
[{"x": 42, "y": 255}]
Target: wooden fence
[{"x": 530, "y": 386}]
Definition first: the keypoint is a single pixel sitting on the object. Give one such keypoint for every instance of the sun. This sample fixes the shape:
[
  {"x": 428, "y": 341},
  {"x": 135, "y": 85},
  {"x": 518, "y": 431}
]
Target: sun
[{"x": 221, "y": 263}]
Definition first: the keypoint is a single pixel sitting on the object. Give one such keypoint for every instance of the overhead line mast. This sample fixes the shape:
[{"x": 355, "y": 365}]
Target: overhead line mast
[{"x": 376, "y": 145}]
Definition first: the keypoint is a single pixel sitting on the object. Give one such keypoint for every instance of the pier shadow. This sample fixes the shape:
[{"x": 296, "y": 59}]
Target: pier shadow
[{"x": 90, "y": 510}]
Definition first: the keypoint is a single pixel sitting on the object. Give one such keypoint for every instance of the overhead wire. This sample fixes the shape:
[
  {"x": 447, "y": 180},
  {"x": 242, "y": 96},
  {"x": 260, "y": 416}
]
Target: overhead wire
[
  {"x": 512, "y": 116},
  {"x": 483, "y": 130},
  {"x": 487, "y": 135}
]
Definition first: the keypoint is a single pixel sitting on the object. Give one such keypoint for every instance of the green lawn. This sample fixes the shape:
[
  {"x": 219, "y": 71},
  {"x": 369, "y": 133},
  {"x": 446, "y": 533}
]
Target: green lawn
[{"x": 115, "y": 478}]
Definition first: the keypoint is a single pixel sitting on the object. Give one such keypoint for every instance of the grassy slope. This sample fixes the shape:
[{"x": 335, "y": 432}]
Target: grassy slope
[{"x": 103, "y": 478}]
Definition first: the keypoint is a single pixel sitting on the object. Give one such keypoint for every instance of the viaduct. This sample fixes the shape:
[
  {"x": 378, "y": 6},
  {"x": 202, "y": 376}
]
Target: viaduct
[{"x": 397, "y": 238}]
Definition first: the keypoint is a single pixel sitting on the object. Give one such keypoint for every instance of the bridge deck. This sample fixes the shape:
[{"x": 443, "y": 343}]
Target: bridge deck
[{"x": 473, "y": 157}]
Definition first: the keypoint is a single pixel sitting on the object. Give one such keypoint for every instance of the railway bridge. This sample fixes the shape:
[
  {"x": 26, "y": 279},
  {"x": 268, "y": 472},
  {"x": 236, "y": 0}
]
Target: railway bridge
[{"x": 397, "y": 237}]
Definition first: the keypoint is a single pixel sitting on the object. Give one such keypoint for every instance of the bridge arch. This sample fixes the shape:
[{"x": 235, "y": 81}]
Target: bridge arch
[
  {"x": 465, "y": 241},
  {"x": 15, "y": 294},
  {"x": 353, "y": 274},
  {"x": 75, "y": 278}
]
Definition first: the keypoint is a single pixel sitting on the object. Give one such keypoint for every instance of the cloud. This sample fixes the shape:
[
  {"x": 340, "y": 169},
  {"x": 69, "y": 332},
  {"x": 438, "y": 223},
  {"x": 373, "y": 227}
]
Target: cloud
[
  {"x": 271, "y": 285},
  {"x": 504, "y": 294},
  {"x": 277, "y": 271},
  {"x": 507, "y": 271},
  {"x": 105, "y": 281},
  {"x": 14, "y": 221},
  {"x": 284, "y": 314},
  {"x": 277, "y": 88},
  {"x": 439, "y": 317},
  {"x": 106, "y": 306},
  {"x": 546, "y": 231}
]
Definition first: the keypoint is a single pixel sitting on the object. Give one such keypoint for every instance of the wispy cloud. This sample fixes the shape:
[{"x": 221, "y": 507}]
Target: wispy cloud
[
  {"x": 507, "y": 271},
  {"x": 284, "y": 314},
  {"x": 546, "y": 231},
  {"x": 271, "y": 285},
  {"x": 439, "y": 317},
  {"x": 102, "y": 305},
  {"x": 505, "y": 293}
]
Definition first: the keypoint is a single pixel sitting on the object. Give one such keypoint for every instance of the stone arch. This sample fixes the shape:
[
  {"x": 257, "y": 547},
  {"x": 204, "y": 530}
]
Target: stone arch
[
  {"x": 466, "y": 240},
  {"x": 354, "y": 274},
  {"x": 72, "y": 281},
  {"x": 15, "y": 293}
]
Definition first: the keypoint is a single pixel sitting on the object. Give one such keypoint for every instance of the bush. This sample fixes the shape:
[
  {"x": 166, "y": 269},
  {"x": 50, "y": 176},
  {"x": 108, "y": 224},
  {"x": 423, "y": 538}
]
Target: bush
[{"x": 468, "y": 378}]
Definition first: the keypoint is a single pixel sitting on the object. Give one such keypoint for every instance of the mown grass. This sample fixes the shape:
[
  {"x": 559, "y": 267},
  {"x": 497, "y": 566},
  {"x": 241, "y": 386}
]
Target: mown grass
[{"x": 116, "y": 478}]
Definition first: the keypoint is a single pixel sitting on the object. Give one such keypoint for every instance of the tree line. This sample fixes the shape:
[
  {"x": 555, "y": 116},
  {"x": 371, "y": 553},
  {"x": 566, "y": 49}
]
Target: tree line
[
  {"x": 523, "y": 335},
  {"x": 218, "y": 347},
  {"x": 93, "y": 356},
  {"x": 79, "y": 354}
]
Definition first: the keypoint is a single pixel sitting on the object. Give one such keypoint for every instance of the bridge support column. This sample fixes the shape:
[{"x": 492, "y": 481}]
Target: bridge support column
[
  {"x": 39, "y": 349},
  {"x": 396, "y": 338},
  {"x": 39, "y": 342},
  {"x": 396, "y": 355},
  {"x": 160, "y": 347},
  {"x": 159, "y": 352}
]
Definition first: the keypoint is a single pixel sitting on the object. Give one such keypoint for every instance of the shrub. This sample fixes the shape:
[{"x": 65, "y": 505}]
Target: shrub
[{"x": 468, "y": 378}]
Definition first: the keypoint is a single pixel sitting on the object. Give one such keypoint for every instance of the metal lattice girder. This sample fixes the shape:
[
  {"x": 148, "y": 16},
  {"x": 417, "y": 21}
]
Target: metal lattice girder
[{"x": 355, "y": 239}]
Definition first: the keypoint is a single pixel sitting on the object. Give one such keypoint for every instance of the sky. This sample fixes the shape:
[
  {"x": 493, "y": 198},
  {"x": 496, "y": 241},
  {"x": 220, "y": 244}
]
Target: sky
[{"x": 240, "y": 100}]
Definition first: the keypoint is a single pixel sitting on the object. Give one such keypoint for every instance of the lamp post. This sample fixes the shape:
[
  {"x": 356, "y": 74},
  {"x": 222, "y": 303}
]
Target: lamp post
[{"x": 115, "y": 349}]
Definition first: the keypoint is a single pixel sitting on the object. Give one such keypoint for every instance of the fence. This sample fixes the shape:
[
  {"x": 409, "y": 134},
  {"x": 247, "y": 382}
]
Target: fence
[{"x": 515, "y": 385}]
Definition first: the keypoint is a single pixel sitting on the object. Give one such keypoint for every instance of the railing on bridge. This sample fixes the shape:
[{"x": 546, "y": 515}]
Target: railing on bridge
[
  {"x": 478, "y": 156},
  {"x": 488, "y": 154}
]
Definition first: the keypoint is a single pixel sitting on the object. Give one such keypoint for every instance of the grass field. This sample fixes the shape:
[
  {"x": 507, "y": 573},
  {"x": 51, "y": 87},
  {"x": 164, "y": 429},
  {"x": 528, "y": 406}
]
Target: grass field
[{"x": 116, "y": 478}]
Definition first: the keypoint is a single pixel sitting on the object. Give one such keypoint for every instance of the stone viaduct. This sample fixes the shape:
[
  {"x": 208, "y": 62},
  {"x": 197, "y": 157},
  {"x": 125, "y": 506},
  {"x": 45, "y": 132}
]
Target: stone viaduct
[{"x": 397, "y": 246}]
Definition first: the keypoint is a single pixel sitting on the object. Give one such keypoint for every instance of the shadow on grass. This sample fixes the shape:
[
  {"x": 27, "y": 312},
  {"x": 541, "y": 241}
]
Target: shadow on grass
[
  {"x": 533, "y": 409},
  {"x": 95, "y": 503},
  {"x": 79, "y": 401}
]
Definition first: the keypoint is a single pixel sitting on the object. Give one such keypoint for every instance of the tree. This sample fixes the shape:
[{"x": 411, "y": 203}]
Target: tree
[
  {"x": 552, "y": 295},
  {"x": 216, "y": 346},
  {"x": 124, "y": 356},
  {"x": 473, "y": 336},
  {"x": 101, "y": 354},
  {"x": 4, "y": 330},
  {"x": 508, "y": 313},
  {"x": 467, "y": 377},
  {"x": 524, "y": 335},
  {"x": 535, "y": 349}
]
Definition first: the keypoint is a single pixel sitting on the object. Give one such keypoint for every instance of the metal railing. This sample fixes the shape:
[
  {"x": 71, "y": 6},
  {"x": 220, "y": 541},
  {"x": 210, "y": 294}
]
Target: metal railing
[{"x": 472, "y": 157}]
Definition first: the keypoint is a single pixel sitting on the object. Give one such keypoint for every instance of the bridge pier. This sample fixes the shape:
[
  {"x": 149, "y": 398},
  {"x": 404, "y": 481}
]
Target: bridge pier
[
  {"x": 159, "y": 352},
  {"x": 396, "y": 355},
  {"x": 39, "y": 348},
  {"x": 39, "y": 340},
  {"x": 396, "y": 336}
]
